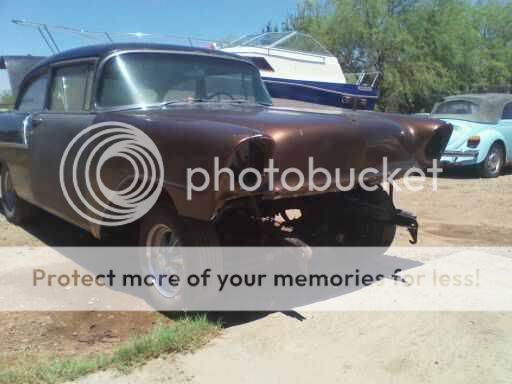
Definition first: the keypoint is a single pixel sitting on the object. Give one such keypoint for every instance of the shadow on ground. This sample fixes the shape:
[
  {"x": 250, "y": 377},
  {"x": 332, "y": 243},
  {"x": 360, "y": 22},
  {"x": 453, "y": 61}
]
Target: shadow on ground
[
  {"x": 468, "y": 173},
  {"x": 54, "y": 232}
]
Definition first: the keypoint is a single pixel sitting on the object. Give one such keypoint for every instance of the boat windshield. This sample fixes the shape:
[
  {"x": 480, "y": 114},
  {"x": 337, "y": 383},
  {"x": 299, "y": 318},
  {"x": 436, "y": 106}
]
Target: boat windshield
[
  {"x": 266, "y": 39},
  {"x": 151, "y": 79},
  {"x": 291, "y": 41}
]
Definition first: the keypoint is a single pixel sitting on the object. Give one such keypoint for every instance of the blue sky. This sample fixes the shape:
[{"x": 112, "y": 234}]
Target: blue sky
[{"x": 214, "y": 19}]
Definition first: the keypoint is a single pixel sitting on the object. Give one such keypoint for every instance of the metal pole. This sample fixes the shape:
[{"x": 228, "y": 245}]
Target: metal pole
[
  {"x": 45, "y": 39},
  {"x": 51, "y": 38}
]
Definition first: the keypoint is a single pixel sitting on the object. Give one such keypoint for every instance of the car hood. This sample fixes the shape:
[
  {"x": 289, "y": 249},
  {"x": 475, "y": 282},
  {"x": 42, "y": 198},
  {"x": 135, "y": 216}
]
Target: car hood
[
  {"x": 343, "y": 143},
  {"x": 347, "y": 139},
  {"x": 253, "y": 118}
]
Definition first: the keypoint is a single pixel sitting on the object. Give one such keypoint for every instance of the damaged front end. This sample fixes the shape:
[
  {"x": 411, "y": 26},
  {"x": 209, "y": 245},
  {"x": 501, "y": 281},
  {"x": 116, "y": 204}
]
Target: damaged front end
[{"x": 354, "y": 217}]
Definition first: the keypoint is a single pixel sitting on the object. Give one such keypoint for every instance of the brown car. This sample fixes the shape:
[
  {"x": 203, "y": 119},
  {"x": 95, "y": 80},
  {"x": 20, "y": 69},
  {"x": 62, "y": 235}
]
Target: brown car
[{"x": 198, "y": 105}]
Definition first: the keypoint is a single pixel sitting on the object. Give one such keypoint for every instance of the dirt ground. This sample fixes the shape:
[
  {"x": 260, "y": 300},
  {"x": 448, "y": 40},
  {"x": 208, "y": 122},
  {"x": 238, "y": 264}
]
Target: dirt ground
[
  {"x": 465, "y": 210},
  {"x": 45, "y": 335},
  {"x": 42, "y": 335}
]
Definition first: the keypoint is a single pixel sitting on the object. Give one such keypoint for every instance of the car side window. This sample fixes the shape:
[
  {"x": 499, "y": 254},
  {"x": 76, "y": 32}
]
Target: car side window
[
  {"x": 33, "y": 97},
  {"x": 507, "y": 112},
  {"x": 69, "y": 88}
]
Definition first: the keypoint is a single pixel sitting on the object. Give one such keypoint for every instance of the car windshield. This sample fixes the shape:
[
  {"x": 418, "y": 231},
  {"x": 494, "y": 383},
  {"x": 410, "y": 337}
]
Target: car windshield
[
  {"x": 149, "y": 79},
  {"x": 458, "y": 107}
]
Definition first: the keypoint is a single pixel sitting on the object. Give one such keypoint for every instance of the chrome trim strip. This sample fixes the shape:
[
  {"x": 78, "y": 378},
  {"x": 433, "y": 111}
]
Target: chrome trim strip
[
  {"x": 13, "y": 145},
  {"x": 64, "y": 63},
  {"x": 280, "y": 53},
  {"x": 461, "y": 153}
]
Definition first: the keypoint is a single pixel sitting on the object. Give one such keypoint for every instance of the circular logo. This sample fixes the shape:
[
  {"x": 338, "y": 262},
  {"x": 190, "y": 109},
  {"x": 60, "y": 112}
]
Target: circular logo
[{"x": 87, "y": 155}]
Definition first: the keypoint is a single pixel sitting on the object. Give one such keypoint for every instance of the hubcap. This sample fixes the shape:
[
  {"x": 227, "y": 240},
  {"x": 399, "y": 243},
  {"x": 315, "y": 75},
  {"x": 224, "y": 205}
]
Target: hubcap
[
  {"x": 164, "y": 257},
  {"x": 8, "y": 193},
  {"x": 494, "y": 160}
]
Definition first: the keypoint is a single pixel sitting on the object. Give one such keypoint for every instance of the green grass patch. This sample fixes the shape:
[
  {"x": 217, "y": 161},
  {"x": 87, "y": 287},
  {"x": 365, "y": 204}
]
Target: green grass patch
[{"x": 185, "y": 334}]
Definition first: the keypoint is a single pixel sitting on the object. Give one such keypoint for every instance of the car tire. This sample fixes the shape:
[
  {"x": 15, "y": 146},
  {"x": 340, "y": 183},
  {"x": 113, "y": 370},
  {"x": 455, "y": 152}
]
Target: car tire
[
  {"x": 492, "y": 165},
  {"x": 15, "y": 209},
  {"x": 350, "y": 229},
  {"x": 160, "y": 228},
  {"x": 366, "y": 232}
]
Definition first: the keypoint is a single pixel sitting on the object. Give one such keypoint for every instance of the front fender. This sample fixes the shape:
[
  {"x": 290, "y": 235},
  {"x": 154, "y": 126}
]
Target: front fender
[{"x": 487, "y": 138}]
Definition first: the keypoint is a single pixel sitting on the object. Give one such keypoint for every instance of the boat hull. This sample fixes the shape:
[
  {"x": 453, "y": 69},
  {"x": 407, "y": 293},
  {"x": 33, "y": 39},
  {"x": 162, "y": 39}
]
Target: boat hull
[{"x": 332, "y": 94}]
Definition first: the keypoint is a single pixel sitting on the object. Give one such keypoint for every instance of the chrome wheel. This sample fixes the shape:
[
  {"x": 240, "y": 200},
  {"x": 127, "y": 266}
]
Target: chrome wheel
[
  {"x": 494, "y": 160},
  {"x": 164, "y": 258},
  {"x": 8, "y": 193}
]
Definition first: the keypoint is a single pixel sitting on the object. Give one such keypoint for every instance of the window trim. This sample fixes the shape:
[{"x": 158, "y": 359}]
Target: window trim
[
  {"x": 27, "y": 82},
  {"x": 88, "y": 102}
]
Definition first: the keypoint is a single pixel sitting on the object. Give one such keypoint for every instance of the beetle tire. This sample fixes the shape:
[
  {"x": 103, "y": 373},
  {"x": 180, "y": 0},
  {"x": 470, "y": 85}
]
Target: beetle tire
[{"x": 488, "y": 169}]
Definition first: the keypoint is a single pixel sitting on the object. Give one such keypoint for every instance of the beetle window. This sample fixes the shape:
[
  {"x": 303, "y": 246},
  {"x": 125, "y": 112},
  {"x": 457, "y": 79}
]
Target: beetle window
[
  {"x": 459, "y": 107},
  {"x": 34, "y": 95},
  {"x": 507, "y": 112},
  {"x": 69, "y": 88}
]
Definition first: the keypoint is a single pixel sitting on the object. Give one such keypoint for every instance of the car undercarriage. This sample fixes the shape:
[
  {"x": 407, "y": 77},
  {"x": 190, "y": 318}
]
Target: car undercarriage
[{"x": 355, "y": 218}]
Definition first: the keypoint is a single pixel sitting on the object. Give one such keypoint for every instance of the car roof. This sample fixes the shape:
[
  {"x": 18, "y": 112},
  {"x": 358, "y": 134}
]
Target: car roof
[
  {"x": 103, "y": 50},
  {"x": 490, "y": 107},
  {"x": 482, "y": 97}
]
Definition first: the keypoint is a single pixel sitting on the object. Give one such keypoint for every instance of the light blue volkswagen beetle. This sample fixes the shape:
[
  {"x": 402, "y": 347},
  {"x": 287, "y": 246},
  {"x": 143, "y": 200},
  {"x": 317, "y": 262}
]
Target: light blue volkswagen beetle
[{"x": 482, "y": 134}]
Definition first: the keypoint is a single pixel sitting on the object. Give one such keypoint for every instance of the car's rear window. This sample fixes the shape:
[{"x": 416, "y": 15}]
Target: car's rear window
[{"x": 456, "y": 107}]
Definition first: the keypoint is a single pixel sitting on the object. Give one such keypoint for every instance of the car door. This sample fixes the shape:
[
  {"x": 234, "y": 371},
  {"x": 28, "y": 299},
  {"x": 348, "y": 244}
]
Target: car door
[
  {"x": 505, "y": 126},
  {"x": 68, "y": 112},
  {"x": 15, "y": 136}
]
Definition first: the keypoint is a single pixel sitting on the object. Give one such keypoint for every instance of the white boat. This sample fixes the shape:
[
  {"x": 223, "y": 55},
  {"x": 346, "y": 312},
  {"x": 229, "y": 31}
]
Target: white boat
[{"x": 293, "y": 65}]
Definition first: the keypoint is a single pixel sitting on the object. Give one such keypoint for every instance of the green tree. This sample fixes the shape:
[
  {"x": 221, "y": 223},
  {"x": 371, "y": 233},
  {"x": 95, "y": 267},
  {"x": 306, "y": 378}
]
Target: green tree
[
  {"x": 424, "y": 49},
  {"x": 6, "y": 100}
]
